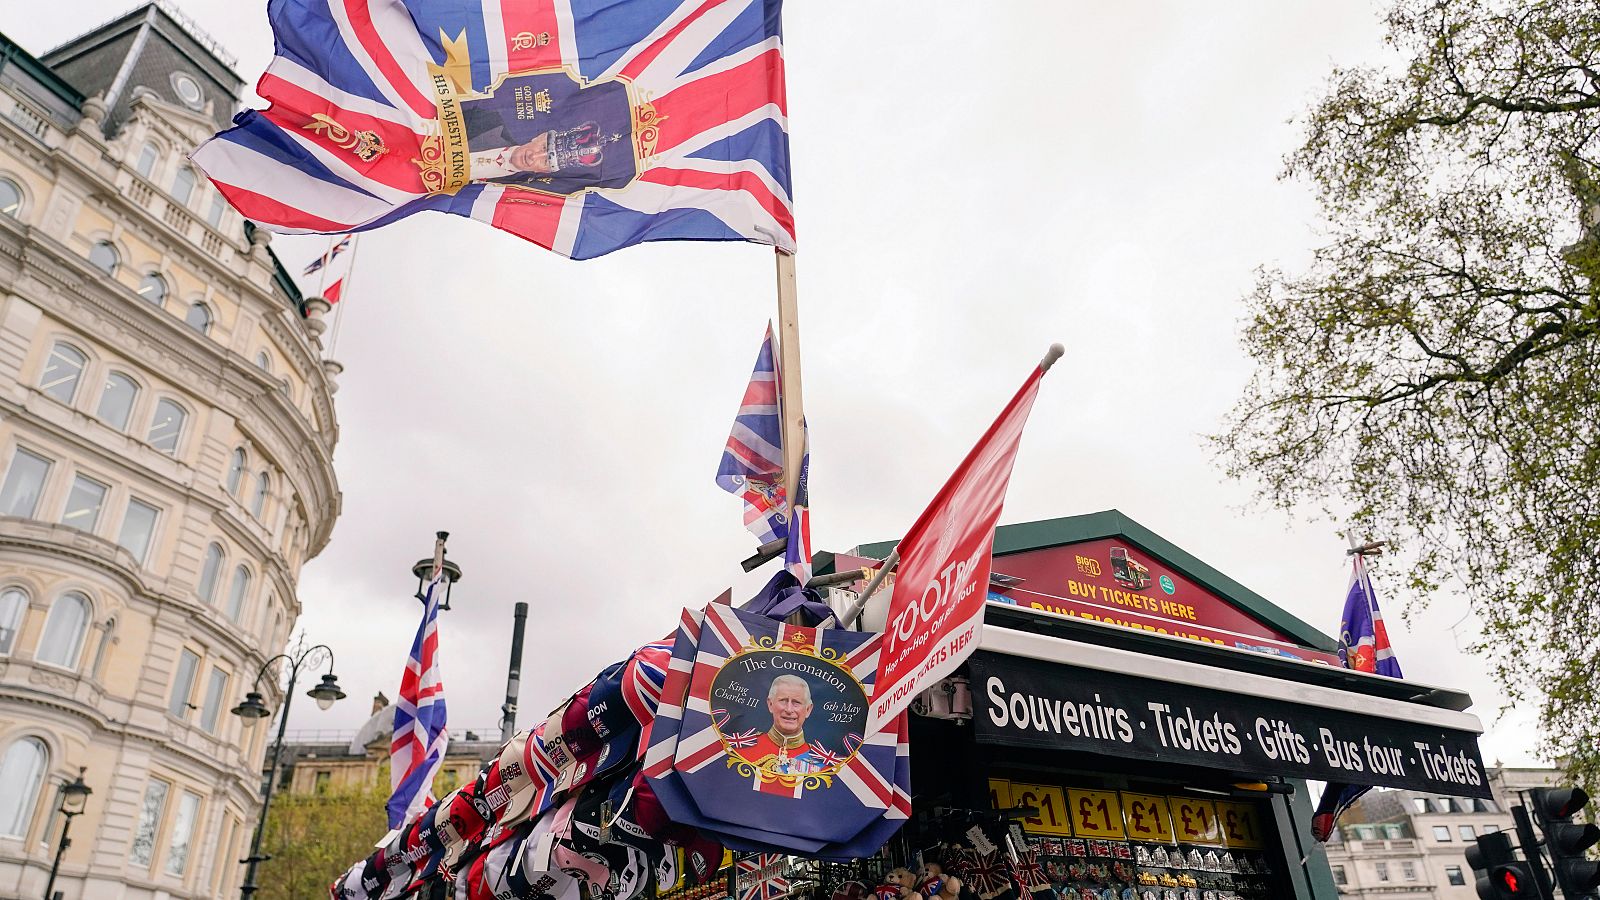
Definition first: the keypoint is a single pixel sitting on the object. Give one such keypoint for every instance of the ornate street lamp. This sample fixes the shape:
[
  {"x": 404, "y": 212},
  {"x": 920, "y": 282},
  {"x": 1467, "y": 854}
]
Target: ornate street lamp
[
  {"x": 74, "y": 797},
  {"x": 255, "y": 708}
]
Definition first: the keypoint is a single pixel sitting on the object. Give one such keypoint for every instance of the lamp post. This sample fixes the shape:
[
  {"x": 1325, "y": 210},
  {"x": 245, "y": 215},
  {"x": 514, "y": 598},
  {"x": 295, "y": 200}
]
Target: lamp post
[
  {"x": 74, "y": 796},
  {"x": 425, "y": 568},
  {"x": 254, "y": 708}
]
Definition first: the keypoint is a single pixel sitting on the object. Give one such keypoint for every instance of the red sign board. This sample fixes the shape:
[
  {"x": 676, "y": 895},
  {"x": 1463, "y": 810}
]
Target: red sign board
[{"x": 1115, "y": 582}]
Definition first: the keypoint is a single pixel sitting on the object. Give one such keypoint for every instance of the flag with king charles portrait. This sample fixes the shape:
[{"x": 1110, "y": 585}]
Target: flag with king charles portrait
[{"x": 584, "y": 126}]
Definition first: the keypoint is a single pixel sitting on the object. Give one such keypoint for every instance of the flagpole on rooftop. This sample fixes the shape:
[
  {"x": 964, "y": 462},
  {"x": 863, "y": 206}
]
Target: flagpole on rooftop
[
  {"x": 789, "y": 373},
  {"x": 349, "y": 280}
]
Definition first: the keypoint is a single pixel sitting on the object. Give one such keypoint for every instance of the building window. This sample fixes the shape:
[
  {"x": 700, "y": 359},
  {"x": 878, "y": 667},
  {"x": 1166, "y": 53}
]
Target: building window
[
  {"x": 138, "y": 526},
  {"x": 216, "y": 690},
  {"x": 167, "y": 427},
  {"x": 219, "y": 205},
  {"x": 24, "y": 484},
  {"x": 1382, "y": 869},
  {"x": 62, "y": 371},
  {"x": 1488, "y": 806},
  {"x": 1339, "y": 876},
  {"x": 236, "y": 464},
  {"x": 183, "y": 185},
  {"x": 1421, "y": 804},
  {"x": 1489, "y": 829},
  {"x": 183, "y": 684},
  {"x": 1467, "y": 833},
  {"x": 83, "y": 503},
  {"x": 153, "y": 288},
  {"x": 12, "y": 604},
  {"x": 147, "y": 160},
  {"x": 1394, "y": 832},
  {"x": 1453, "y": 875},
  {"x": 1447, "y": 805},
  {"x": 1441, "y": 833},
  {"x": 263, "y": 362},
  {"x": 321, "y": 784},
  {"x": 258, "y": 500},
  {"x": 237, "y": 591},
  {"x": 64, "y": 627},
  {"x": 150, "y": 812},
  {"x": 182, "y": 833},
  {"x": 10, "y": 198},
  {"x": 116, "y": 400},
  {"x": 21, "y": 775},
  {"x": 1408, "y": 870},
  {"x": 188, "y": 90},
  {"x": 198, "y": 317},
  {"x": 104, "y": 257},
  {"x": 209, "y": 570}
]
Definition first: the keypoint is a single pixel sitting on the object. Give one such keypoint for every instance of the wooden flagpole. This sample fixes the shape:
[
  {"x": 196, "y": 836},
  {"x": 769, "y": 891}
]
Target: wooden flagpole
[{"x": 789, "y": 374}]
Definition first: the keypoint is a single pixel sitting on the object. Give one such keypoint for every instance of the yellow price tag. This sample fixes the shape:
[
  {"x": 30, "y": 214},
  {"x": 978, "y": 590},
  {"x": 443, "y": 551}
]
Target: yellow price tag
[
  {"x": 1147, "y": 818},
  {"x": 1241, "y": 824},
  {"x": 999, "y": 793},
  {"x": 1194, "y": 821},
  {"x": 1096, "y": 814},
  {"x": 1052, "y": 804}
]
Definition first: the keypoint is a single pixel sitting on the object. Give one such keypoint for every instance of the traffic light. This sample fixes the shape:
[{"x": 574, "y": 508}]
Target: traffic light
[
  {"x": 1500, "y": 876},
  {"x": 1567, "y": 840}
]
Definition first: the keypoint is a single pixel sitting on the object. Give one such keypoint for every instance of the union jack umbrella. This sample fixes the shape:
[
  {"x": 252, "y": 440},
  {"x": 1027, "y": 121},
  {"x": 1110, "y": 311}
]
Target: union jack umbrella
[
  {"x": 581, "y": 125},
  {"x": 762, "y": 877}
]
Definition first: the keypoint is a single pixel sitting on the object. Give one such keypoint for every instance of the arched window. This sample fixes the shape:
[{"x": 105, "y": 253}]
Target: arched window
[
  {"x": 258, "y": 501},
  {"x": 104, "y": 257},
  {"x": 153, "y": 288},
  {"x": 10, "y": 198},
  {"x": 219, "y": 205},
  {"x": 21, "y": 775},
  {"x": 236, "y": 464},
  {"x": 209, "y": 570},
  {"x": 237, "y": 591},
  {"x": 116, "y": 401},
  {"x": 12, "y": 603},
  {"x": 198, "y": 317},
  {"x": 63, "y": 631},
  {"x": 62, "y": 371},
  {"x": 263, "y": 361},
  {"x": 147, "y": 160},
  {"x": 183, "y": 185},
  {"x": 167, "y": 426}
]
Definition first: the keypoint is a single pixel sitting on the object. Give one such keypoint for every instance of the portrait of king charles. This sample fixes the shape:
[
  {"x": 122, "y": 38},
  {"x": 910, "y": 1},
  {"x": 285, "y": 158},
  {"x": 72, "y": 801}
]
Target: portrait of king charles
[
  {"x": 783, "y": 749},
  {"x": 546, "y": 132}
]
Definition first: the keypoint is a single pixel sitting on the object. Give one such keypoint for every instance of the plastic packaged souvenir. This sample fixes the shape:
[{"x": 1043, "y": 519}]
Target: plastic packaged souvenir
[
  {"x": 1213, "y": 862},
  {"x": 1130, "y": 893},
  {"x": 1141, "y": 855},
  {"x": 1195, "y": 860},
  {"x": 1159, "y": 857},
  {"x": 1122, "y": 851},
  {"x": 1122, "y": 871}
]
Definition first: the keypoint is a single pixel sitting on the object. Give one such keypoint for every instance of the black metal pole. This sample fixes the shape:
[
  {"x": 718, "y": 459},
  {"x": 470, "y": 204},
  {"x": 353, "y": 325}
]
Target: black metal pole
[
  {"x": 249, "y": 886},
  {"x": 508, "y": 710},
  {"x": 1530, "y": 849},
  {"x": 60, "y": 848}
]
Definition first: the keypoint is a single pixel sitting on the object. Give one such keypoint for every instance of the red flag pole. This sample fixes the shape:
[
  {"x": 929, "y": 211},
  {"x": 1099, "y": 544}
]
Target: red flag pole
[{"x": 789, "y": 374}]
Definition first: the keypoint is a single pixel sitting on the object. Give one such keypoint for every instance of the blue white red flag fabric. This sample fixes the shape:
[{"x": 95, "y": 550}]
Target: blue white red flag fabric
[
  {"x": 584, "y": 126},
  {"x": 1364, "y": 647},
  {"x": 1363, "y": 639},
  {"x": 420, "y": 735},
  {"x": 334, "y": 251},
  {"x": 752, "y": 465},
  {"x": 763, "y": 876}
]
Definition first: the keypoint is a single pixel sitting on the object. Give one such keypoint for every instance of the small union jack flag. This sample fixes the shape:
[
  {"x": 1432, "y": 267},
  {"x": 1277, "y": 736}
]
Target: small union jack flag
[
  {"x": 752, "y": 466},
  {"x": 324, "y": 259},
  {"x": 420, "y": 736},
  {"x": 762, "y": 877}
]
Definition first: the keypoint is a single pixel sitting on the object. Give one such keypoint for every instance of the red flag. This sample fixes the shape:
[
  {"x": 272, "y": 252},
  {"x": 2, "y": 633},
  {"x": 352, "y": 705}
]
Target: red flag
[
  {"x": 937, "y": 607},
  {"x": 334, "y": 290}
]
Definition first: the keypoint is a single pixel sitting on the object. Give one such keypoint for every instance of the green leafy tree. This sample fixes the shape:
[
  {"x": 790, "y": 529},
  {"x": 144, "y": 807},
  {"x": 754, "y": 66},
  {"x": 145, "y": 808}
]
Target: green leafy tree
[
  {"x": 313, "y": 838},
  {"x": 1436, "y": 367}
]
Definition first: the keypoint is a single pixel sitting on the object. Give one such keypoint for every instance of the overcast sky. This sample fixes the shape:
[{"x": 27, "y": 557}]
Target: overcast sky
[{"x": 972, "y": 183}]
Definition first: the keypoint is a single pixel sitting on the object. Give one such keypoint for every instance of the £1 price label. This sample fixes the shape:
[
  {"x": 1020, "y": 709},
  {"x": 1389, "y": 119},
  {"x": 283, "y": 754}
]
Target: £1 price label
[
  {"x": 1052, "y": 805},
  {"x": 1241, "y": 824},
  {"x": 1194, "y": 821},
  {"x": 1095, "y": 814},
  {"x": 1147, "y": 818},
  {"x": 999, "y": 793}
]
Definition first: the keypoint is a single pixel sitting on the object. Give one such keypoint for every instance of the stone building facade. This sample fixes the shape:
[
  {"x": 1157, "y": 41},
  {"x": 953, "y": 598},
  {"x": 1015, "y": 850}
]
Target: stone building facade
[
  {"x": 166, "y": 438},
  {"x": 1409, "y": 845}
]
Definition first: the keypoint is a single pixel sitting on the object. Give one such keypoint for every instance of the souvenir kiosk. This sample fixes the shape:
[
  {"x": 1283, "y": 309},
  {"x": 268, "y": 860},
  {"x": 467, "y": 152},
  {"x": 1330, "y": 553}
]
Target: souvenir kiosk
[{"x": 1146, "y": 725}]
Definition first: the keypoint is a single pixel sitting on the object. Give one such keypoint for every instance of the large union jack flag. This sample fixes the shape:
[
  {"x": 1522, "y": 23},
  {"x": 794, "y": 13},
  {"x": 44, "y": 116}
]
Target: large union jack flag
[
  {"x": 752, "y": 466},
  {"x": 420, "y": 736},
  {"x": 581, "y": 125}
]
